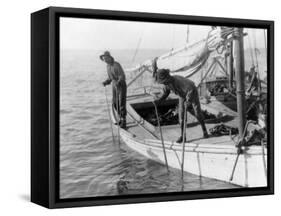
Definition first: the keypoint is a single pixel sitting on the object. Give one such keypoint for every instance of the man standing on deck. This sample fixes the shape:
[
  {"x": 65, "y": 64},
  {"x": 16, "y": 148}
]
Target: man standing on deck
[
  {"x": 187, "y": 92},
  {"x": 117, "y": 77}
]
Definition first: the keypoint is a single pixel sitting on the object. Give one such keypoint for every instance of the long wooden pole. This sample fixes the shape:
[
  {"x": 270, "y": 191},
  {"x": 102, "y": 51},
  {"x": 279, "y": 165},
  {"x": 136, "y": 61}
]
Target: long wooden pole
[
  {"x": 161, "y": 135},
  {"x": 229, "y": 60},
  {"x": 118, "y": 114},
  {"x": 108, "y": 108},
  {"x": 240, "y": 76},
  {"x": 183, "y": 139}
]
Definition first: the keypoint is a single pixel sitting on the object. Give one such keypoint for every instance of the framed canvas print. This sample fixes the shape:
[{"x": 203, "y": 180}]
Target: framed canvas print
[{"x": 138, "y": 107}]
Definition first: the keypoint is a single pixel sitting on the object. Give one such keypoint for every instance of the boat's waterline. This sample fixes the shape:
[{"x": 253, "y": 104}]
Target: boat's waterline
[{"x": 207, "y": 160}]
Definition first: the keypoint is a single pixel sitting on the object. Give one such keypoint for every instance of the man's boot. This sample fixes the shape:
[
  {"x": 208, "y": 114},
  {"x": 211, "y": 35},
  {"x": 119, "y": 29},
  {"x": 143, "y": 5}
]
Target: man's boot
[
  {"x": 180, "y": 139},
  {"x": 205, "y": 133}
]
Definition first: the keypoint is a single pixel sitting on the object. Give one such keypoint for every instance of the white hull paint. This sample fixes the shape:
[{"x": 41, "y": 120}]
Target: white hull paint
[
  {"x": 207, "y": 160},
  {"x": 214, "y": 161}
]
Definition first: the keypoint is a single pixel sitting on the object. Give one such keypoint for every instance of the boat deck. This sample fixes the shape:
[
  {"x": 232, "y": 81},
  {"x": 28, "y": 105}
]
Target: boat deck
[{"x": 193, "y": 132}]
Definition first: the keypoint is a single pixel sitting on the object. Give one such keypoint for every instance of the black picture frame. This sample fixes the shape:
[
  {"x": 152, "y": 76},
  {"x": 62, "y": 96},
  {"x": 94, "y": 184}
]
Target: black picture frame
[{"x": 45, "y": 106}]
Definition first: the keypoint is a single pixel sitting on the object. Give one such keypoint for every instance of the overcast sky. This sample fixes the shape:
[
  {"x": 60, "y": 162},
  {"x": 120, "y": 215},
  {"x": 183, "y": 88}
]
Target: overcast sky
[{"x": 76, "y": 33}]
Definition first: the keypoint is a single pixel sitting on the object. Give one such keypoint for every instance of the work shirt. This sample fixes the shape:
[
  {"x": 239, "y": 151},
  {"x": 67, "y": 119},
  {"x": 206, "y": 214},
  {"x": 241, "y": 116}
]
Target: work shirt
[
  {"x": 180, "y": 86},
  {"x": 187, "y": 91},
  {"x": 117, "y": 76},
  {"x": 115, "y": 73}
]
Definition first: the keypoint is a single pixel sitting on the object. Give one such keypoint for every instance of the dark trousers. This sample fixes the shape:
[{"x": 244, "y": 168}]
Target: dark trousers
[
  {"x": 119, "y": 95},
  {"x": 194, "y": 107}
]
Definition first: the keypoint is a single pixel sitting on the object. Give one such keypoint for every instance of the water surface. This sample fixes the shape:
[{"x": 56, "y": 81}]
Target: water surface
[{"x": 90, "y": 164}]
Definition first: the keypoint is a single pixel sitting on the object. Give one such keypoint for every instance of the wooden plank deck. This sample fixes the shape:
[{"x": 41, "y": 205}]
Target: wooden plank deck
[
  {"x": 172, "y": 132},
  {"x": 193, "y": 132}
]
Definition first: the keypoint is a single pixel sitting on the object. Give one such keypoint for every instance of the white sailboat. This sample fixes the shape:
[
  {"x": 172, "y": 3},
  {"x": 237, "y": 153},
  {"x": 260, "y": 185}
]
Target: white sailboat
[{"x": 219, "y": 157}]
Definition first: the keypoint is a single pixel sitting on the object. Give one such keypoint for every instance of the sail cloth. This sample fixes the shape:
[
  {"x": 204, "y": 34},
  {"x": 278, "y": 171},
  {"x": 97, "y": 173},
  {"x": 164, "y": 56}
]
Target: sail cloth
[
  {"x": 189, "y": 59},
  {"x": 185, "y": 61}
]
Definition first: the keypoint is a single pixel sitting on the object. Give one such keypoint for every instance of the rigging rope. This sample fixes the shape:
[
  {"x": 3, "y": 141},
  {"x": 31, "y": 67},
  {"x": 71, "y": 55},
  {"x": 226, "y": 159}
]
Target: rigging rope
[
  {"x": 137, "y": 49},
  {"x": 254, "y": 59},
  {"x": 255, "y": 50},
  {"x": 265, "y": 43},
  {"x": 265, "y": 39},
  {"x": 251, "y": 50},
  {"x": 173, "y": 37},
  {"x": 256, "y": 56},
  {"x": 187, "y": 34},
  {"x": 138, "y": 45},
  {"x": 140, "y": 81}
]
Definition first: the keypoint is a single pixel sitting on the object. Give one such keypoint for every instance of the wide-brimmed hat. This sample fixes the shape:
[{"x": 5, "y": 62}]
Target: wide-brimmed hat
[
  {"x": 163, "y": 76},
  {"x": 106, "y": 53}
]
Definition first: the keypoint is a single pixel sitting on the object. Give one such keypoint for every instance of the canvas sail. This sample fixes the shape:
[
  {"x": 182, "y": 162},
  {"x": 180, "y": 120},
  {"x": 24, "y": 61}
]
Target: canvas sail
[
  {"x": 189, "y": 59},
  {"x": 185, "y": 61}
]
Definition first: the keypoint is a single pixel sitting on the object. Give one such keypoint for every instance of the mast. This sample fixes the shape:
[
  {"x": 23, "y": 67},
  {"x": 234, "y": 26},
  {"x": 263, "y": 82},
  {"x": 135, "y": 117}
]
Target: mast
[
  {"x": 229, "y": 62},
  {"x": 238, "y": 45}
]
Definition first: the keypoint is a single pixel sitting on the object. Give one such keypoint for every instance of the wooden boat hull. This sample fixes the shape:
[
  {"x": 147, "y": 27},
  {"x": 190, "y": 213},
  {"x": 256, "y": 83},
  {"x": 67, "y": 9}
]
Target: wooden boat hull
[{"x": 207, "y": 160}]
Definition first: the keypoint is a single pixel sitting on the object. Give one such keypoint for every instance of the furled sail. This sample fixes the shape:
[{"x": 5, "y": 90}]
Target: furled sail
[
  {"x": 185, "y": 61},
  {"x": 189, "y": 59}
]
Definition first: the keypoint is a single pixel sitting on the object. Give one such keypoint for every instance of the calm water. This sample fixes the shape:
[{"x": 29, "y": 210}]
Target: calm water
[{"x": 90, "y": 164}]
